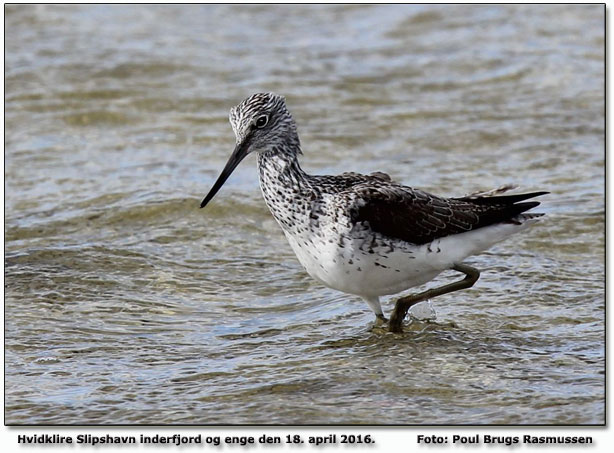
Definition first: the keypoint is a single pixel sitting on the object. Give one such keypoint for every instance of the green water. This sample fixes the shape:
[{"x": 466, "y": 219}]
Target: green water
[{"x": 125, "y": 303}]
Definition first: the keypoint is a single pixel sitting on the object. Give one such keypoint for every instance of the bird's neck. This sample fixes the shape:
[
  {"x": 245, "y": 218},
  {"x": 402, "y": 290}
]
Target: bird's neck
[
  {"x": 285, "y": 186},
  {"x": 280, "y": 166}
]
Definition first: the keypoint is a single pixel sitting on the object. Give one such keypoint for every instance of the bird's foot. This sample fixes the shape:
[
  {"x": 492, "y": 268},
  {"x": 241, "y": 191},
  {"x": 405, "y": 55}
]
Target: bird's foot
[
  {"x": 395, "y": 325},
  {"x": 380, "y": 321}
]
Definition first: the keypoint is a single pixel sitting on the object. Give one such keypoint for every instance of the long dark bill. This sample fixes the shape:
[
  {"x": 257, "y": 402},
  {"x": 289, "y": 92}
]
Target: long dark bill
[{"x": 235, "y": 159}]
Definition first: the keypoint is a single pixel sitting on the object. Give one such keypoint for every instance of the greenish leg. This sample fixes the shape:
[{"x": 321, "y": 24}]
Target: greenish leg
[
  {"x": 380, "y": 320},
  {"x": 403, "y": 304}
]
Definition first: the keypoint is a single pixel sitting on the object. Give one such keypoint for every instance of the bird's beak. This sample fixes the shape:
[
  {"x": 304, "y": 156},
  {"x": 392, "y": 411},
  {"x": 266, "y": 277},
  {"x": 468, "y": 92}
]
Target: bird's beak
[{"x": 241, "y": 150}]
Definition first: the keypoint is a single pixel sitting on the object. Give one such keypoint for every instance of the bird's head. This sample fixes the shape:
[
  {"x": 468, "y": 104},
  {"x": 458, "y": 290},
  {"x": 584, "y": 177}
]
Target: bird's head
[{"x": 262, "y": 124}]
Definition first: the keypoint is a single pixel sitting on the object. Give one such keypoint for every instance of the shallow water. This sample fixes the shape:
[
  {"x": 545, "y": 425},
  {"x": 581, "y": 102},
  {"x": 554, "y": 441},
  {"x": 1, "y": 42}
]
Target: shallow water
[{"x": 125, "y": 303}]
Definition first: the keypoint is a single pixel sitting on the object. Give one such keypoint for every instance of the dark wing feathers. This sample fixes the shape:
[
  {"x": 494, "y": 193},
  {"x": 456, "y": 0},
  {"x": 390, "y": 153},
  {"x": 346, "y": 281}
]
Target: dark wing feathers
[
  {"x": 419, "y": 217},
  {"x": 505, "y": 199}
]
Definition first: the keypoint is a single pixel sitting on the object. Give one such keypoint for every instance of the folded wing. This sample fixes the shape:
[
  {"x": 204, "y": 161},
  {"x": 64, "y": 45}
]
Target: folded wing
[{"x": 418, "y": 217}]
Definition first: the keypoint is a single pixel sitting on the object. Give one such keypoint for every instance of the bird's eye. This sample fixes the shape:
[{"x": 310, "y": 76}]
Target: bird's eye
[{"x": 262, "y": 121}]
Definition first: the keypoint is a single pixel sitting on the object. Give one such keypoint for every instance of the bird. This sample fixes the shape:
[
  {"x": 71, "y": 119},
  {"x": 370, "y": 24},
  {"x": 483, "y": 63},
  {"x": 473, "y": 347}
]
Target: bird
[{"x": 367, "y": 235}]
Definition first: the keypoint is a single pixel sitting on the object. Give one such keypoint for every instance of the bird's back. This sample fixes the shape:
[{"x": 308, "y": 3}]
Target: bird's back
[{"x": 415, "y": 216}]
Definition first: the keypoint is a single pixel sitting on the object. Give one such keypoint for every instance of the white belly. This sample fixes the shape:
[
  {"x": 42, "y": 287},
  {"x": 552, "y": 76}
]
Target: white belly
[{"x": 389, "y": 270}]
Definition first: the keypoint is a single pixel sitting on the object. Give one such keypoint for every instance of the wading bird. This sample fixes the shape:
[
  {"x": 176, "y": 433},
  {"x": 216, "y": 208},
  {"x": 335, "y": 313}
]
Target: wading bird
[{"x": 366, "y": 234}]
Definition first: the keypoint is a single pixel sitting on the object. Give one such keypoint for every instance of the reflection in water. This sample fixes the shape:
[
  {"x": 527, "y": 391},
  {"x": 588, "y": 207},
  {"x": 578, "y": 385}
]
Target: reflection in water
[{"x": 125, "y": 303}]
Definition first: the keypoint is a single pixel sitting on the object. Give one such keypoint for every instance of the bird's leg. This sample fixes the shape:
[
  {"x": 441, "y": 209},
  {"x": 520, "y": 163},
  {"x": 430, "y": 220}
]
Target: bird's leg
[
  {"x": 373, "y": 302},
  {"x": 403, "y": 304},
  {"x": 380, "y": 320}
]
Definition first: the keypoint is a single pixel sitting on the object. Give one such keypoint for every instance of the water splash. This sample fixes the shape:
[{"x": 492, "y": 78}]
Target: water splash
[{"x": 424, "y": 311}]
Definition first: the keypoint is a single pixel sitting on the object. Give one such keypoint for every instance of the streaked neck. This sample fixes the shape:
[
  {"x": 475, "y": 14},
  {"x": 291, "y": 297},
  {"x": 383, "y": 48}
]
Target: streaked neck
[{"x": 285, "y": 187}]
